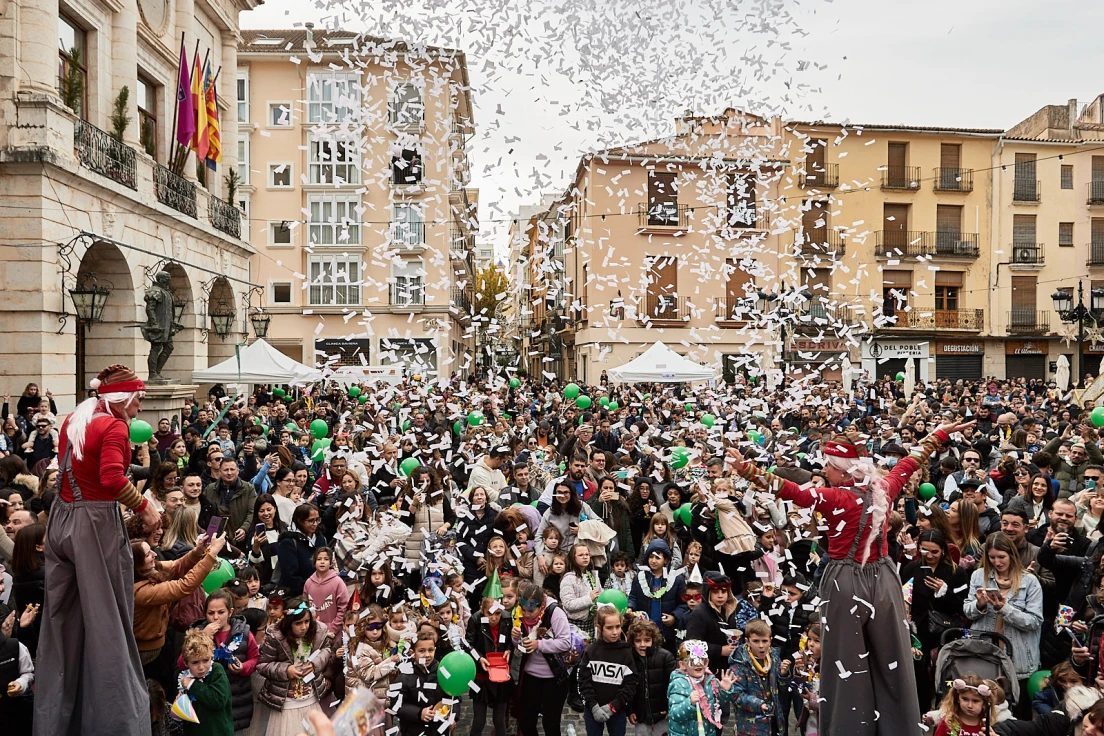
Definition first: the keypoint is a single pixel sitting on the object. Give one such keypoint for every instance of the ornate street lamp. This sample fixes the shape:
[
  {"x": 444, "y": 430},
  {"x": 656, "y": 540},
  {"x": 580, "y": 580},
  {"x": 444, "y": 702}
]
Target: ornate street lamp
[
  {"x": 261, "y": 320},
  {"x": 222, "y": 319},
  {"x": 179, "y": 305},
  {"x": 89, "y": 299},
  {"x": 1079, "y": 314}
]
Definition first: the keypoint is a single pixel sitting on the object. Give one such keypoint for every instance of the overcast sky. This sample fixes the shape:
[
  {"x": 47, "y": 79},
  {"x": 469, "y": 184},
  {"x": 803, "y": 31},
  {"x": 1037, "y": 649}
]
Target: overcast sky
[{"x": 558, "y": 86}]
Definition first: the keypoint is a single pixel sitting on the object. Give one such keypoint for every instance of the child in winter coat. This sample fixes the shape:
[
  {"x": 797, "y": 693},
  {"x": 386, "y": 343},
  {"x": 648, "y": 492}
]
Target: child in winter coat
[
  {"x": 658, "y": 594},
  {"x": 607, "y": 675},
  {"x": 807, "y": 664},
  {"x": 419, "y": 707},
  {"x": 694, "y": 694},
  {"x": 369, "y": 661},
  {"x": 487, "y": 633},
  {"x": 326, "y": 591},
  {"x": 759, "y": 673},
  {"x": 620, "y": 578},
  {"x": 294, "y": 659},
  {"x": 654, "y": 666},
  {"x": 206, "y": 686}
]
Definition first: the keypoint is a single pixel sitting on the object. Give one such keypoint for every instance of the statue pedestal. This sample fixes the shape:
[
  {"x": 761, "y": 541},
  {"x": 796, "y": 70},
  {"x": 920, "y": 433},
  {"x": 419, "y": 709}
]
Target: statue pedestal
[{"x": 165, "y": 400}]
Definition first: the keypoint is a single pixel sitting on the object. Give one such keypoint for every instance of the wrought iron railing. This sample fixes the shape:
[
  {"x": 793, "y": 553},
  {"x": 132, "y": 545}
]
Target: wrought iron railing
[
  {"x": 820, "y": 176},
  {"x": 820, "y": 242},
  {"x": 406, "y": 234},
  {"x": 105, "y": 155},
  {"x": 408, "y": 294},
  {"x": 1096, "y": 192},
  {"x": 665, "y": 308},
  {"x": 817, "y": 314},
  {"x": 461, "y": 301},
  {"x": 224, "y": 216},
  {"x": 735, "y": 308},
  {"x": 954, "y": 180},
  {"x": 663, "y": 214},
  {"x": 1027, "y": 254},
  {"x": 1096, "y": 253},
  {"x": 174, "y": 191},
  {"x": 941, "y": 243},
  {"x": 966, "y": 320},
  {"x": 1026, "y": 191},
  {"x": 1027, "y": 321},
  {"x": 901, "y": 177}
]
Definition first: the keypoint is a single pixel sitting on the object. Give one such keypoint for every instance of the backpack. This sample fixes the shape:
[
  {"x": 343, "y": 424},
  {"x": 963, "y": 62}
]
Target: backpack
[{"x": 563, "y": 663}]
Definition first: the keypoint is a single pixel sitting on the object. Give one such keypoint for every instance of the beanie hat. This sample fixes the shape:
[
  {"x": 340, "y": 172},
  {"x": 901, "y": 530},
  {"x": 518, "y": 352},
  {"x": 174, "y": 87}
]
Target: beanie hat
[
  {"x": 117, "y": 379},
  {"x": 848, "y": 444},
  {"x": 658, "y": 546}
]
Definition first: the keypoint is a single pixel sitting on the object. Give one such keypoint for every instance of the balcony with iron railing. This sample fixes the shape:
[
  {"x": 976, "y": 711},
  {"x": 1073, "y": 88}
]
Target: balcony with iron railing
[
  {"x": 105, "y": 155},
  {"x": 954, "y": 180},
  {"x": 733, "y": 308},
  {"x": 1025, "y": 254},
  {"x": 663, "y": 215},
  {"x": 819, "y": 242},
  {"x": 1026, "y": 190},
  {"x": 224, "y": 216},
  {"x": 1096, "y": 253},
  {"x": 923, "y": 318},
  {"x": 1096, "y": 192},
  {"x": 407, "y": 294},
  {"x": 817, "y": 314},
  {"x": 174, "y": 191},
  {"x": 940, "y": 244},
  {"x": 1028, "y": 321},
  {"x": 820, "y": 176},
  {"x": 739, "y": 220},
  {"x": 406, "y": 235},
  {"x": 663, "y": 309},
  {"x": 905, "y": 178},
  {"x": 462, "y": 301}
]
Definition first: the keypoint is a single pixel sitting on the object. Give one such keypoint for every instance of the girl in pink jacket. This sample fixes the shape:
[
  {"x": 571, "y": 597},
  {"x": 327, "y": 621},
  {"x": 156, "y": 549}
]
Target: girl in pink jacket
[{"x": 326, "y": 591}]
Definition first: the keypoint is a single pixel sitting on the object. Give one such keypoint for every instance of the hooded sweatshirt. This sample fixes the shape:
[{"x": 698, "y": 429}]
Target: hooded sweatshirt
[
  {"x": 329, "y": 596},
  {"x": 607, "y": 675}
]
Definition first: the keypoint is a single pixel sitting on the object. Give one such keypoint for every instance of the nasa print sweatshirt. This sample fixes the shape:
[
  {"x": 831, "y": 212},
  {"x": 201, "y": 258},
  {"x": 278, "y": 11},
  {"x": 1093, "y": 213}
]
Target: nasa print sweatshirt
[{"x": 607, "y": 675}]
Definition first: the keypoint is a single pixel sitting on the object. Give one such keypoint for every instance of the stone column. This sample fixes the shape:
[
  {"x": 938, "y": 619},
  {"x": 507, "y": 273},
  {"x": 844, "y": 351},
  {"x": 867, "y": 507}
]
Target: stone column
[
  {"x": 38, "y": 46},
  {"x": 228, "y": 117},
  {"x": 124, "y": 64}
]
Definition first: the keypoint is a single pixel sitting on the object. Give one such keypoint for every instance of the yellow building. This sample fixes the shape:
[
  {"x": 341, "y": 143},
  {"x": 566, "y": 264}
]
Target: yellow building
[{"x": 356, "y": 175}]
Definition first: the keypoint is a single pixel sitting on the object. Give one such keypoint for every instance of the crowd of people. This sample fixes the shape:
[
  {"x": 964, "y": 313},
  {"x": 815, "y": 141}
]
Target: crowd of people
[{"x": 795, "y": 558}]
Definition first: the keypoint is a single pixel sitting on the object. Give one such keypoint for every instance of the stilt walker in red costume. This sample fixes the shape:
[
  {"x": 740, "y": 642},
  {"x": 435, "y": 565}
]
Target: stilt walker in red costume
[
  {"x": 89, "y": 675},
  {"x": 867, "y": 681}
]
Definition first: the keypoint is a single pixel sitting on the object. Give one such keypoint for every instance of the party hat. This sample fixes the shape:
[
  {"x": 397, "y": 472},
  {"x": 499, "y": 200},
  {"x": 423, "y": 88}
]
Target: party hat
[
  {"x": 355, "y": 603},
  {"x": 695, "y": 575},
  {"x": 493, "y": 588},
  {"x": 182, "y": 708},
  {"x": 436, "y": 595}
]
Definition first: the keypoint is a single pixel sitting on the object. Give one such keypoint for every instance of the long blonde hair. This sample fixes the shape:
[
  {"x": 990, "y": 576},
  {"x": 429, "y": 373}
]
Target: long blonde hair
[
  {"x": 184, "y": 525},
  {"x": 1002, "y": 543}
]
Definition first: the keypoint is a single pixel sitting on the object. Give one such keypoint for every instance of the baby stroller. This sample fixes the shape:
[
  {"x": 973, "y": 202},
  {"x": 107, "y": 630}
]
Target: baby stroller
[{"x": 986, "y": 654}]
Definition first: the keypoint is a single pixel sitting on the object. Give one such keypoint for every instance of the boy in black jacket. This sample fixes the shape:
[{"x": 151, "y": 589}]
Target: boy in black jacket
[
  {"x": 607, "y": 675},
  {"x": 419, "y": 696},
  {"x": 654, "y": 666}
]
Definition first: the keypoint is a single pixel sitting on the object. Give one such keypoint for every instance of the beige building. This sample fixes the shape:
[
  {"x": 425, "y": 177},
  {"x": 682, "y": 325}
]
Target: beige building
[
  {"x": 356, "y": 175},
  {"x": 89, "y": 218}
]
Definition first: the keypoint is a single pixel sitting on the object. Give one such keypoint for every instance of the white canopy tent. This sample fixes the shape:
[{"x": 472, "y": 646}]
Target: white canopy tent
[
  {"x": 660, "y": 364},
  {"x": 260, "y": 363}
]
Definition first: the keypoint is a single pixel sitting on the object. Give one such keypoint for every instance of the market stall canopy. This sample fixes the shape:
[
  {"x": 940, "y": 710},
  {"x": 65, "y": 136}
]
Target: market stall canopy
[
  {"x": 660, "y": 364},
  {"x": 259, "y": 363}
]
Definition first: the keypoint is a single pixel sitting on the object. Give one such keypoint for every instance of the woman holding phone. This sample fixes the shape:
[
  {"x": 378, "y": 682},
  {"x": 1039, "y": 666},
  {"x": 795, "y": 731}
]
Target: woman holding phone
[{"x": 1007, "y": 599}]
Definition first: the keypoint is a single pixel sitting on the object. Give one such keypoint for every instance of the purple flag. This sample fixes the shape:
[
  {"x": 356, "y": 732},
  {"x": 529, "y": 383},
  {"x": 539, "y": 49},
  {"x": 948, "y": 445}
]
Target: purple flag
[{"x": 185, "y": 114}]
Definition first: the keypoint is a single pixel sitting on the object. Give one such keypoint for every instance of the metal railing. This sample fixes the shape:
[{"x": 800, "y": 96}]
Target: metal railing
[
  {"x": 664, "y": 308},
  {"x": 1027, "y": 254},
  {"x": 1027, "y": 191},
  {"x": 820, "y": 176},
  {"x": 749, "y": 219},
  {"x": 174, "y": 191},
  {"x": 224, "y": 216},
  {"x": 461, "y": 301},
  {"x": 818, "y": 314},
  {"x": 967, "y": 320},
  {"x": 663, "y": 214},
  {"x": 901, "y": 177},
  {"x": 735, "y": 308},
  {"x": 1028, "y": 321},
  {"x": 954, "y": 180},
  {"x": 943, "y": 243},
  {"x": 819, "y": 242},
  {"x": 1096, "y": 192},
  {"x": 105, "y": 155},
  {"x": 406, "y": 172},
  {"x": 407, "y": 295},
  {"x": 406, "y": 234},
  {"x": 1096, "y": 253}
]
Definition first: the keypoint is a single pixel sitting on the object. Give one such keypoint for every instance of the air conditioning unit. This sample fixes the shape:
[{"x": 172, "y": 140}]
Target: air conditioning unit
[{"x": 1025, "y": 255}]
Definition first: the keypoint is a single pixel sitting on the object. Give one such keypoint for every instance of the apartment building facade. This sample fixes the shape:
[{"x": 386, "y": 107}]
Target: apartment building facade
[
  {"x": 91, "y": 216},
  {"x": 356, "y": 174}
]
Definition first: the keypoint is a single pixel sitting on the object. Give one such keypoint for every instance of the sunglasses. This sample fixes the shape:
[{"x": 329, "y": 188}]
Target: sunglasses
[
  {"x": 374, "y": 626},
  {"x": 531, "y": 605},
  {"x": 691, "y": 596}
]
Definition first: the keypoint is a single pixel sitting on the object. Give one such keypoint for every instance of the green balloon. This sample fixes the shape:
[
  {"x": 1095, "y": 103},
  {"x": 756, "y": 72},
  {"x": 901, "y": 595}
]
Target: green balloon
[
  {"x": 571, "y": 390},
  {"x": 754, "y": 435},
  {"x": 319, "y": 428},
  {"x": 218, "y": 576},
  {"x": 354, "y": 391},
  {"x": 563, "y": 467},
  {"x": 318, "y": 449},
  {"x": 279, "y": 392},
  {"x": 405, "y": 425},
  {"x": 456, "y": 672},
  {"x": 615, "y": 598},
  {"x": 458, "y": 427},
  {"x": 475, "y": 418},
  {"x": 682, "y": 513},
  {"x": 927, "y": 491},
  {"x": 362, "y": 399},
  {"x": 900, "y": 375},
  {"x": 689, "y": 407},
  {"x": 604, "y": 402},
  {"x": 583, "y": 402},
  {"x": 408, "y": 466},
  {"x": 290, "y": 426},
  {"x": 515, "y": 383},
  {"x": 680, "y": 456},
  {"x": 1037, "y": 682},
  {"x": 708, "y": 420},
  {"x": 140, "y": 431},
  {"x": 614, "y": 406},
  {"x": 1097, "y": 416}
]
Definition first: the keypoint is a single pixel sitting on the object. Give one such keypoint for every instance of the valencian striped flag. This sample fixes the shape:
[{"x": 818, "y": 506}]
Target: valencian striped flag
[
  {"x": 185, "y": 115},
  {"x": 201, "y": 136},
  {"x": 214, "y": 140}
]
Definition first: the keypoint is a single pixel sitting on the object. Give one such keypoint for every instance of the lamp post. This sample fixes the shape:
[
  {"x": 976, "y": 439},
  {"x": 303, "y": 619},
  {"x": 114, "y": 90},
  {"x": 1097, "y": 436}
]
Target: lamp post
[{"x": 1079, "y": 313}]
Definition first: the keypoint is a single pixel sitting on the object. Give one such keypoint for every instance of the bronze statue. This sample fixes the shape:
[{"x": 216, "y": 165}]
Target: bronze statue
[{"x": 160, "y": 325}]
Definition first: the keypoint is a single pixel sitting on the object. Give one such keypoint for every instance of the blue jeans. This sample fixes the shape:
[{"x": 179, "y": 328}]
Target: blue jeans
[{"x": 615, "y": 725}]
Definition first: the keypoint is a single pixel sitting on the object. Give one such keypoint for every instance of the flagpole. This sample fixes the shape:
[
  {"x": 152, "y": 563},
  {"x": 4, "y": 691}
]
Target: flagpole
[
  {"x": 176, "y": 106},
  {"x": 183, "y": 150}
]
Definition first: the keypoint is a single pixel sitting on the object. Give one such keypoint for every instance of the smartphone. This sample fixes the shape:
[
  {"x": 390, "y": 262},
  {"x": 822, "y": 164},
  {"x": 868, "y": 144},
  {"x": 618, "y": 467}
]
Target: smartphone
[
  {"x": 1076, "y": 639},
  {"x": 214, "y": 526},
  {"x": 259, "y": 530},
  {"x": 925, "y": 568}
]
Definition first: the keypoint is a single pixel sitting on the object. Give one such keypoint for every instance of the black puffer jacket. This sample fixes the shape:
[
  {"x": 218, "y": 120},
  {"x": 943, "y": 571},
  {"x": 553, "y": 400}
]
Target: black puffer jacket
[
  {"x": 294, "y": 550},
  {"x": 654, "y": 670},
  {"x": 241, "y": 688}
]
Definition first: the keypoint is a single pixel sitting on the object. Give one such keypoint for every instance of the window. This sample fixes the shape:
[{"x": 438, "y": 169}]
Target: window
[
  {"x": 409, "y": 287},
  {"x": 896, "y": 286},
  {"x": 243, "y": 98},
  {"x": 946, "y": 298},
  {"x": 1065, "y": 234},
  {"x": 243, "y": 205},
  {"x": 741, "y": 201},
  {"x": 333, "y": 162},
  {"x": 334, "y": 280},
  {"x": 279, "y": 233},
  {"x": 147, "y": 115},
  {"x": 406, "y": 108},
  {"x": 406, "y": 168},
  {"x": 279, "y": 114},
  {"x": 334, "y": 219},
  {"x": 73, "y": 65},
  {"x": 243, "y": 160},
  {"x": 279, "y": 176},
  {"x": 331, "y": 97},
  {"x": 407, "y": 225},
  {"x": 281, "y": 292},
  {"x": 662, "y": 198},
  {"x": 1067, "y": 176}
]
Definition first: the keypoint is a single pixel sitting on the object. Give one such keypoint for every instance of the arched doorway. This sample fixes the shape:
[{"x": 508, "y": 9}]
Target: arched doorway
[
  {"x": 115, "y": 338},
  {"x": 183, "y": 359},
  {"x": 222, "y": 298}
]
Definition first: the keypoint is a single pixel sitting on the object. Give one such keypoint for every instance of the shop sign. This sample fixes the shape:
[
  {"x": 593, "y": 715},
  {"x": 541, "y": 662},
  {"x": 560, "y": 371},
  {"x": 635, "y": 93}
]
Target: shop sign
[
  {"x": 894, "y": 349},
  {"x": 1026, "y": 347},
  {"x": 807, "y": 345},
  {"x": 946, "y": 347}
]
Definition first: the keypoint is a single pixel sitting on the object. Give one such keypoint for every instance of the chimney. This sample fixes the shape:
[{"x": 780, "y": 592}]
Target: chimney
[
  {"x": 1072, "y": 107},
  {"x": 310, "y": 34}
]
